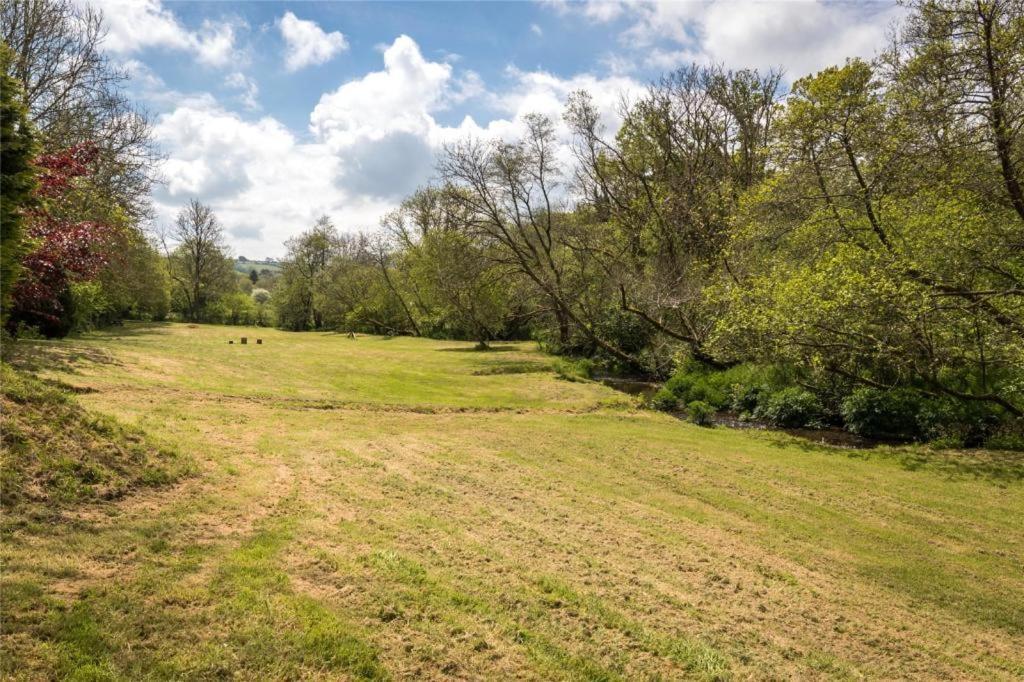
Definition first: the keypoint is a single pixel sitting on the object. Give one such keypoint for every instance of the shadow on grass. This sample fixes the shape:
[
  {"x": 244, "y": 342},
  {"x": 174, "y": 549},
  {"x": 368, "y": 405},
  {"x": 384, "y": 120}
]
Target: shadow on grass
[
  {"x": 512, "y": 367},
  {"x": 133, "y": 329},
  {"x": 475, "y": 349},
  {"x": 998, "y": 466},
  {"x": 63, "y": 356}
]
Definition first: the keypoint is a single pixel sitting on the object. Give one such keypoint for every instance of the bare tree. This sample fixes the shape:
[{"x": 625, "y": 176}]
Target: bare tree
[{"x": 510, "y": 190}]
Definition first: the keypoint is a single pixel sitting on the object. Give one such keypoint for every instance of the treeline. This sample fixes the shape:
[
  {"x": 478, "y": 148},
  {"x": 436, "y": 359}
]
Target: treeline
[{"x": 849, "y": 252}]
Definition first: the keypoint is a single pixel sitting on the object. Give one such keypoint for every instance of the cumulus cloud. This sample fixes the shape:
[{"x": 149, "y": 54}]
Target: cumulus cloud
[
  {"x": 802, "y": 36},
  {"x": 399, "y": 98},
  {"x": 306, "y": 44},
  {"x": 136, "y": 25},
  {"x": 374, "y": 139},
  {"x": 264, "y": 184}
]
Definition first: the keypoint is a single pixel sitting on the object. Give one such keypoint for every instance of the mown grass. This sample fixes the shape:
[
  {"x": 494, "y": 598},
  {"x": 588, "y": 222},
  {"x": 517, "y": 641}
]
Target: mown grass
[
  {"x": 55, "y": 452},
  {"x": 411, "y": 509}
]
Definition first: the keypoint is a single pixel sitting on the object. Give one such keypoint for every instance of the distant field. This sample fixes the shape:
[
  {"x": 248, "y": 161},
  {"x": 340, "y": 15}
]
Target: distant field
[
  {"x": 247, "y": 266},
  {"x": 406, "y": 508}
]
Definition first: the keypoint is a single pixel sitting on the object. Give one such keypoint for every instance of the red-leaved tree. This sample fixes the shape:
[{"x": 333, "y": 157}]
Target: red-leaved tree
[{"x": 62, "y": 249}]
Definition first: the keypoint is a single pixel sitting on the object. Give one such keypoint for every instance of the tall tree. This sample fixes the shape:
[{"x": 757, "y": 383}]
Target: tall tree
[
  {"x": 664, "y": 191},
  {"x": 197, "y": 259},
  {"x": 17, "y": 176},
  {"x": 304, "y": 276},
  {"x": 510, "y": 192}
]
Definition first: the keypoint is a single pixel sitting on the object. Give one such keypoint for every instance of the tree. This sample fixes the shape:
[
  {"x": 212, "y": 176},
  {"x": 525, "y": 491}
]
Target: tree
[
  {"x": 75, "y": 96},
  {"x": 465, "y": 291},
  {"x": 17, "y": 177},
  {"x": 850, "y": 261},
  {"x": 198, "y": 265},
  {"x": 663, "y": 193},
  {"x": 238, "y": 308},
  {"x": 261, "y": 298},
  {"x": 62, "y": 249},
  {"x": 254, "y": 276},
  {"x": 509, "y": 191},
  {"x": 304, "y": 276}
]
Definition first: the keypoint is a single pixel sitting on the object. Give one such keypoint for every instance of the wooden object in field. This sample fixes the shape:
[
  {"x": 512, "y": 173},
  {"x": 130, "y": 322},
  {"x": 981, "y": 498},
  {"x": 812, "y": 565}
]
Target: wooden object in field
[
  {"x": 259, "y": 342},
  {"x": 245, "y": 340},
  {"x": 231, "y": 340}
]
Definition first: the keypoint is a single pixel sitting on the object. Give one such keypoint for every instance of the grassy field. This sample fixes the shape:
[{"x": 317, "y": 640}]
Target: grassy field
[{"x": 403, "y": 508}]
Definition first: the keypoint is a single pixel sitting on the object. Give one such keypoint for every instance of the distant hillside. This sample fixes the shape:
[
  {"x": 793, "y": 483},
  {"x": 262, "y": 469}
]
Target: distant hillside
[{"x": 244, "y": 265}]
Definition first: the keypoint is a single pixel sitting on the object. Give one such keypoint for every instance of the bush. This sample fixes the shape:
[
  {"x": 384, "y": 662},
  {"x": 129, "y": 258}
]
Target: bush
[
  {"x": 896, "y": 413},
  {"x": 700, "y": 412},
  {"x": 581, "y": 369},
  {"x": 956, "y": 424},
  {"x": 690, "y": 387},
  {"x": 790, "y": 408},
  {"x": 664, "y": 400},
  {"x": 745, "y": 399},
  {"x": 737, "y": 387},
  {"x": 1009, "y": 436}
]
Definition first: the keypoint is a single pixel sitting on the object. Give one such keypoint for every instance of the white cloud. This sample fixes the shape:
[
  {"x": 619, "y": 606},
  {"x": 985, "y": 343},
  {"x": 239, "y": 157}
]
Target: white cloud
[
  {"x": 595, "y": 10},
  {"x": 214, "y": 43},
  {"x": 536, "y": 30},
  {"x": 374, "y": 140},
  {"x": 136, "y": 25},
  {"x": 399, "y": 98},
  {"x": 802, "y": 36},
  {"x": 262, "y": 182},
  {"x": 307, "y": 44},
  {"x": 250, "y": 90}
]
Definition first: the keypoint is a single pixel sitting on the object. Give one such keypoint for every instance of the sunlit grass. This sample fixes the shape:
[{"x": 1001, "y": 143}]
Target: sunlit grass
[{"x": 408, "y": 508}]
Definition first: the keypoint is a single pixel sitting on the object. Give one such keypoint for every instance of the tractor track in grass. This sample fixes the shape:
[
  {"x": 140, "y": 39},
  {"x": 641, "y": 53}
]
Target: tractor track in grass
[{"x": 327, "y": 404}]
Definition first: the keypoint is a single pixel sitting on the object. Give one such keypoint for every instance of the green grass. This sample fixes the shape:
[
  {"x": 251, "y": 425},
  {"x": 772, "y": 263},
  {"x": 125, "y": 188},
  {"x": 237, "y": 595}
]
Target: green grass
[
  {"x": 404, "y": 508},
  {"x": 55, "y": 452}
]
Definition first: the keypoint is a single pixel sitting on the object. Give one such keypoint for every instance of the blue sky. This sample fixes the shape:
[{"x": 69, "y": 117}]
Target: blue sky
[{"x": 275, "y": 113}]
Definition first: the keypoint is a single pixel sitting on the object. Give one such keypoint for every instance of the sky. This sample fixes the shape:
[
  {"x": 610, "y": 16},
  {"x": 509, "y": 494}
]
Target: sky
[{"x": 276, "y": 113}]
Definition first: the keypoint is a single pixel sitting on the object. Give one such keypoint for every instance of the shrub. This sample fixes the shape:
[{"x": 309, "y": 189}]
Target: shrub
[
  {"x": 1009, "y": 436},
  {"x": 720, "y": 388},
  {"x": 690, "y": 387},
  {"x": 664, "y": 400},
  {"x": 745, "y": 399},
  {"x": 581, "y": 369},
  {"x": 700, "y": 412},
  {"x": 896, "y": 413},
  {"x": 791, "y": 408}
]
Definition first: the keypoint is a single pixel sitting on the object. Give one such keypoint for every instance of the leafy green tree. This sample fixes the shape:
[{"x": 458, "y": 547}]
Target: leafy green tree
[
  {"x": 304, "y": 276},
  {"x": 17, "y": 175},
  {"x": 662, "y": 193},
  {"x": 849, "y": 261}
]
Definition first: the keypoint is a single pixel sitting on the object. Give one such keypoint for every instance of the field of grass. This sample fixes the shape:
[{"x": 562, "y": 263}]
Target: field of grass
[{"x": 402, "y": 508}]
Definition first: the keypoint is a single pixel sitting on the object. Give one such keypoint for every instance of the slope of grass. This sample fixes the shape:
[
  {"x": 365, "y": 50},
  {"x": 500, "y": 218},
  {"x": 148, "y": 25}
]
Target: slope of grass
[
  {"x": 413, "y": 509},
  {"x": 54, "y": 451}
]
